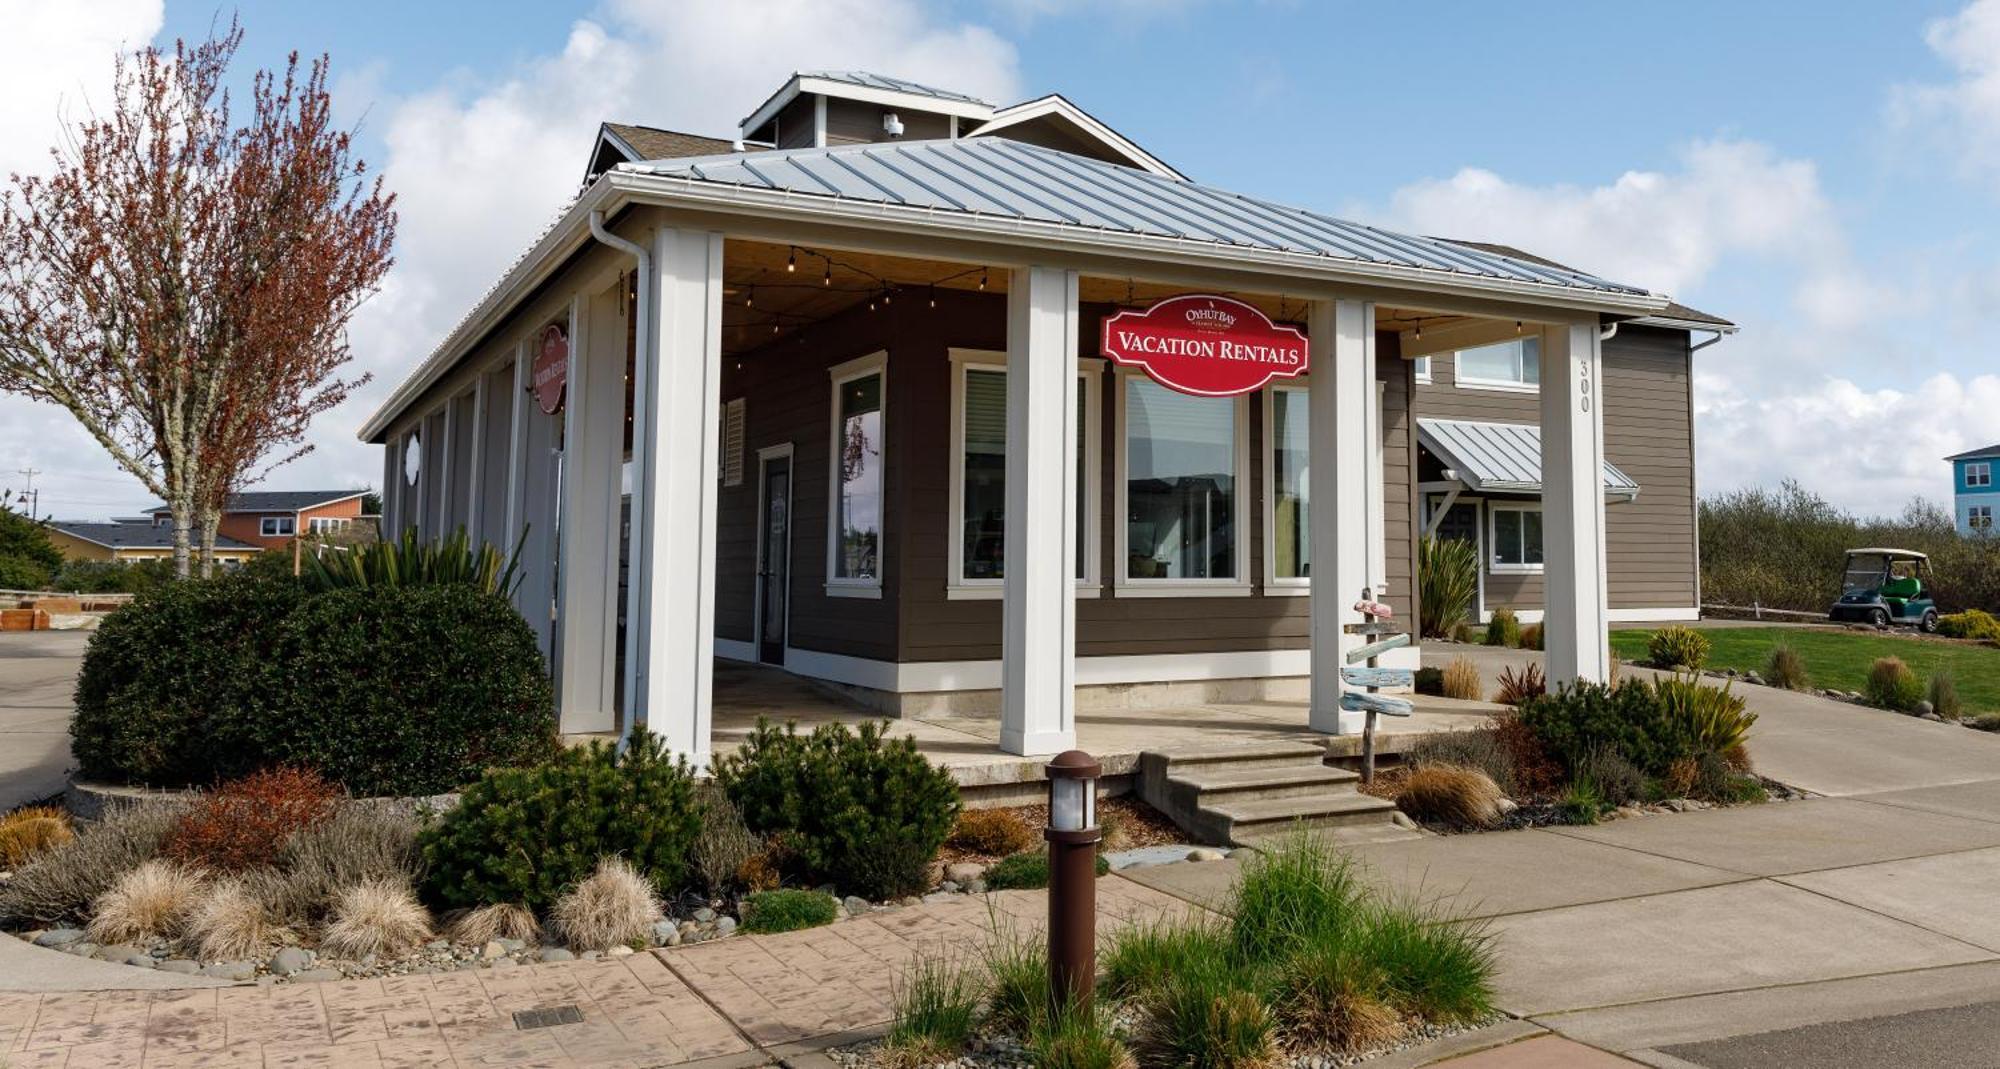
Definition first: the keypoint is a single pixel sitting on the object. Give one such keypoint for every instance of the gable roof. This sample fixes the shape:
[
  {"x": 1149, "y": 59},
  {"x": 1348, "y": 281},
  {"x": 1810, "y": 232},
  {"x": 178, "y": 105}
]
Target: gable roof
[
  {"x": 871, "y": 80},
  {"x": 1977, "y": 454},
  {"x": 1674, "y": 314},
  {"x": 653, "y": 143},
  {"x": 279, "y": 500},
  {"x": 999, "y": 179},
  {"x": 1058, "y": 108},
  {"x": 135, "y": 536},
  {"x": 869, "y": 87}
]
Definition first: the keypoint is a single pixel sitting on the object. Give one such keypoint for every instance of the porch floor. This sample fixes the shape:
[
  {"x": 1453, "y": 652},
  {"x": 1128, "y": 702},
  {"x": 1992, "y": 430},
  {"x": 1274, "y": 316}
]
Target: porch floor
[{"x": 970, "y": 746}]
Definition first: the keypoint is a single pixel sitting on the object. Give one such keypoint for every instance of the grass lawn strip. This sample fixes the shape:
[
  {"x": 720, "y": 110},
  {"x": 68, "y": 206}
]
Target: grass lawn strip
[{"x": 1840, "y": 659}]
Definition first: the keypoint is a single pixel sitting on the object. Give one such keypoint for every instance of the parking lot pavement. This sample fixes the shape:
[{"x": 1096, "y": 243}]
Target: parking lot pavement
[{"x": 37, "y": 675}]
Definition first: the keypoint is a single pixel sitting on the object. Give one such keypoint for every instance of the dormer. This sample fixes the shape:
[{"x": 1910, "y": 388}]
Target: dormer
[{"x": 819, "y": 108}]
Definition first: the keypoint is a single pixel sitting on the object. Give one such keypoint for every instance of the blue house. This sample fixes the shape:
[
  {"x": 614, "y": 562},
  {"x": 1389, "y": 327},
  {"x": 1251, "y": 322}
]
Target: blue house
[{"x": 1975, "y": 495}]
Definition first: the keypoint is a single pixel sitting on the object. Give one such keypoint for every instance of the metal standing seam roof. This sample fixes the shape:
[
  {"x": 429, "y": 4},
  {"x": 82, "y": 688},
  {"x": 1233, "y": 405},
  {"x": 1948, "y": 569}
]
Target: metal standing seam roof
[
  {"x": 1015, "y": 180},
  {"x": 870, "y": 80},
  {"x": 1504, "y": 457}
]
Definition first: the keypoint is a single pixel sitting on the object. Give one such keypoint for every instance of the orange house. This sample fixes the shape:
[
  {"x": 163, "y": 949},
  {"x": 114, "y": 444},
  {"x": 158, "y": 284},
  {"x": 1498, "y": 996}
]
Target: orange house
[{"x": 271, "y": 519}]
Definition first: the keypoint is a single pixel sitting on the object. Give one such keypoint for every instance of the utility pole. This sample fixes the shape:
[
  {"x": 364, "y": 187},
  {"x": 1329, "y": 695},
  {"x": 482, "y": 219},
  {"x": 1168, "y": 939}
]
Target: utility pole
[{"x": 34, "y": 496}]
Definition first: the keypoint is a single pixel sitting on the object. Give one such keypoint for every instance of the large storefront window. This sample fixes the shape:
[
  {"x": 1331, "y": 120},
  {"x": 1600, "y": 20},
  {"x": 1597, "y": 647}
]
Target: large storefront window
[
  {"x": 1291, "y": 535},
  {"x": 856, "y": 537},
  {"x": 1181, "y": 477},
  {"x": 981, "y": 490}
]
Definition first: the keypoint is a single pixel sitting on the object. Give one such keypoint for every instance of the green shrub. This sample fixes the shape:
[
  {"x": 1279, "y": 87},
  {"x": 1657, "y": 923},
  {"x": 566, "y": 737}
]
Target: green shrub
[
  {"x": 1786, "y": 669},
  {"x": 1716, "y": 780},
  {"x": 412, "y": 561},
  {"x": 27, "y": 543},
  {"x": 1447, "y": 584},
  {"x": 1675, "y": 646},
  {"x": 1299, "y": 892},
  {"x": 1943, "y": 695},
  {"x": 1627, "y": 719},
  {"x": 1431, "y": 965},
  {"x": 937, "y": 1005},
  {"x": 1709, "y": 720},
  {"x": 1503, "y": 628},
  {"x": 20, "y": 573},
  {"x": 173, "y": 683},
  {"x": 788, "y": 910},
  {"x": 114, "y": 577},
  {"x": 1972, "y": 623},
  {"x": 409, "y": 690},
  {"x": 1027, "y": 871},
  {"x": 1479, "y": 748},
  {"x": 1891, "y": 685},
  {"x": 526, "y": 834},
  {"x": 1430, "y": 681},
  {"x": 851, "y": 807}
]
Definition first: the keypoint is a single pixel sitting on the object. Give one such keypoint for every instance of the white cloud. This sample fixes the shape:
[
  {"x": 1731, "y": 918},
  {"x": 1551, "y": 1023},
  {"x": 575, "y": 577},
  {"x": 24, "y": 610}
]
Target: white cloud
[
  {"x": 1964, "y": 113},
  {"x": 55, "y": 64}
]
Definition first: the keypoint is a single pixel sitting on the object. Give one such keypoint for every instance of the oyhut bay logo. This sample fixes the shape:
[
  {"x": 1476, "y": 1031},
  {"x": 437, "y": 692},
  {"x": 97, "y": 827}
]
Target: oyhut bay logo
[{"x": 1206, "y": 345}]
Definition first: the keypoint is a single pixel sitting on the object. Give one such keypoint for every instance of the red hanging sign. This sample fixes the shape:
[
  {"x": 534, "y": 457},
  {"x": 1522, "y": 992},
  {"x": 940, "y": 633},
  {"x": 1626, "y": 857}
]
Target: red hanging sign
[
  {"x": 1206, "y": 345},
  {"x": 550, "y": 371}
]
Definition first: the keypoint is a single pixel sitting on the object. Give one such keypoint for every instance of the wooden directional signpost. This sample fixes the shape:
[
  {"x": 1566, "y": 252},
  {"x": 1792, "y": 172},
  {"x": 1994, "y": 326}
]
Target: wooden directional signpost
[{"x": 1373, "y": 677}]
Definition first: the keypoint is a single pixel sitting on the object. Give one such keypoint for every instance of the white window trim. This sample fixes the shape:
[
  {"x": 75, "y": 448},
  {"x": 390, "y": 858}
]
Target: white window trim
[
  {"x": 1420, "y": 367},
  {"x": 317, "y": 524},
  {"x": 1982, "y": 471},
  {"x": 1466, "y": 382},
  {"x": 270, "y": 526},
  {"x": 875, "y": 363},
  {"x": 1276, "y": 585},
  {"x": 1090, "y": 369},
  {"x": 1979, "y": 517},
  {"x": 1126, "y": 587},
  {"x": 1493, "y": 510}
]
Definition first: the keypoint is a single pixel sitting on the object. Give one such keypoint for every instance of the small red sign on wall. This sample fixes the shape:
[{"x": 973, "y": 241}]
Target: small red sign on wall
[
  {"x": 1206, "y": 345},
  {"x": 550, "y": 371}
]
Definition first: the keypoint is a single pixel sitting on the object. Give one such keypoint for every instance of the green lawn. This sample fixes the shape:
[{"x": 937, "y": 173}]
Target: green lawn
[{"x": 1840, "y": 659}]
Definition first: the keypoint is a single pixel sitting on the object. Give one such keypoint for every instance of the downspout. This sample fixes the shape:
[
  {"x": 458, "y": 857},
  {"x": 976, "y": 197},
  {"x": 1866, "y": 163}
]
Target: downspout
[
  {"x": 1694, "y": 480},
  {"x": 1693, "y": 349},
  {"x": 1608, "y": 333},
  {"x": 636, "y": 580}
]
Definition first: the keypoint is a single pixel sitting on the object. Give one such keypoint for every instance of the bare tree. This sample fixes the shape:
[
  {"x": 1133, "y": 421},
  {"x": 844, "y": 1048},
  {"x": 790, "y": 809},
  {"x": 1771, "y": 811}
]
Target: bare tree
[{"x": 182, "y": 285}]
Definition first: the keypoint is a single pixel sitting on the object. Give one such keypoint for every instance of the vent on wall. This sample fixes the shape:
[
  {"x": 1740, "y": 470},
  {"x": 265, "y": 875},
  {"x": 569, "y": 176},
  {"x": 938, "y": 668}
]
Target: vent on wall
[{"x": 733, "y": 418}]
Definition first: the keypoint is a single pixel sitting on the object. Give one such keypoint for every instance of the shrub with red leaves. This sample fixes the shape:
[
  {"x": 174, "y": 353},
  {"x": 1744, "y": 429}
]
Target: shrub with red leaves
[
  {"x": 1536, "y": 771},
  {"x": 243, "y": 824}
]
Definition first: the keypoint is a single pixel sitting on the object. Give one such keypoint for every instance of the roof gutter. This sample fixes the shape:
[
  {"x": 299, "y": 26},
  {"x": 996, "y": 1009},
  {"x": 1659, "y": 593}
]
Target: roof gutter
[{"x": 1699, "y": 346}]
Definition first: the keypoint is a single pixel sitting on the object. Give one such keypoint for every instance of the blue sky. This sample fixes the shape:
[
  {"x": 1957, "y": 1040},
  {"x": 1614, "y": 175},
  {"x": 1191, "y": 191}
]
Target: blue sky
[{"x": 1823, "y": 173}]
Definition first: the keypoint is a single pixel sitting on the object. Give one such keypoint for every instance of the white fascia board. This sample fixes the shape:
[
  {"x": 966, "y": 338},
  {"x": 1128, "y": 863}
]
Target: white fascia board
[
  {"x": 800, "y": 85},
  {"x": 1057, "y": 104},
  {"x": 1685, "y": 324}
]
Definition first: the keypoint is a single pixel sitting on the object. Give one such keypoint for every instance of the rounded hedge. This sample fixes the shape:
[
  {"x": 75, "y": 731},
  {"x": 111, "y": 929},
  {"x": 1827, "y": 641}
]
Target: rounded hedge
[
  {"x": 168, "y": 680},
  {"x": 405, "y": 690},
  {"x": 385, "y": 690}
]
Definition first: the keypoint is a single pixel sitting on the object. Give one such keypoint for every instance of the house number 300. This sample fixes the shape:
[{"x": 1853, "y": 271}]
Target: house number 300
[{"x": 1583, "y": 384}]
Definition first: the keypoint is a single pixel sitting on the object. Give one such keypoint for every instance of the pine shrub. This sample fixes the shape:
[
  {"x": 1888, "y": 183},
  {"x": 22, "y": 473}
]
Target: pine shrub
[
  {"x": 852, "y": 807},
  {"x": 1628, "y": 719},
  {"x": 1503, "y": 628},
  {"x": 523, "y": 835}
]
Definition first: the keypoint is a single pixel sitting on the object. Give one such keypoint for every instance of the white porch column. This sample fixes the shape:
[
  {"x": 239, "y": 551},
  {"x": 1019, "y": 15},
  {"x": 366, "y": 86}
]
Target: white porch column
[
  {"x": 593, "y": 441},
  {"x": 671, "y": 614},
  {"x": 1038, "y": 636},
  {"x": 1341, "y": 334},
  {"x": 1577, "y": 611}
]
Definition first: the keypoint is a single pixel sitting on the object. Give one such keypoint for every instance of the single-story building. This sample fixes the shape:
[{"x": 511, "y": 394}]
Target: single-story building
[
  {"x": 128, "y": 542},
  {"x": 987, "y": 410},
  {"x": 271, "y": 519}
]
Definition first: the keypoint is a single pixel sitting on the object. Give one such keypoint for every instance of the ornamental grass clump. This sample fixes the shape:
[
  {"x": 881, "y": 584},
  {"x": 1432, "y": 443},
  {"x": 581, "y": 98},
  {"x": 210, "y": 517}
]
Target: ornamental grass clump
[
  {"x": 1892, "y": 685},
  {"x": 788, "y": 910},
  {"x": 1334, "y": 999},
  {"x": 362, "y": 841},
  {"x": 724, "y": 844},
  {"x": 1461, "y": 680},
  {"x": 58, "y": 886},
  {"x": 1942, "y": 693},
  {"x": 1480, "y": 748},
  {"x": 31, "y": 831},
  {"x": 1707, "y": 719},
  {"x": 1017, "y": 981},
  {"x": 851, "y": 807},
  {"x": 1074, "y": 1038},
  {"x": 1459, "y": 798},
  {"x": 937, "y": 1007},
  {"x": 614, "y": 906},
  {"x": 231, "y": 923},
  {"x": 1531, "y": 637},
  {"x": 1786, "y": 669},
  {"x": 501, "y": 920},
  {"x": 380, "y": 917},
  {"x": 153, "y": 900},
  {"x": 1677, "y": 646}
]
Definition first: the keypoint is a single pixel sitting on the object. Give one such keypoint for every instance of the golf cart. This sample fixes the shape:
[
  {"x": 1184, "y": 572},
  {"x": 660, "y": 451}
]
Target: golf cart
[{"x": 1885, "y": 586}]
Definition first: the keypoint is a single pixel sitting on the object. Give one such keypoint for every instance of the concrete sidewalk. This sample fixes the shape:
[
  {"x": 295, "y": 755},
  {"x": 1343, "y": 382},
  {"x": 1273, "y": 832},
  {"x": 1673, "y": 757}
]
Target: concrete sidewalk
[{"x": 37, "y": 676}]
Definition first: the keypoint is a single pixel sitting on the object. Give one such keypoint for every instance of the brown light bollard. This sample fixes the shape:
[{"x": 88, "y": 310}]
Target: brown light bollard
[{"x": 1073, "y": 835}]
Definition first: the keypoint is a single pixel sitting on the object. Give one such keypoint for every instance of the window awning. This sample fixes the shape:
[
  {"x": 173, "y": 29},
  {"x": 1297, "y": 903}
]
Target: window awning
[{"x": 1501, "y": 457}]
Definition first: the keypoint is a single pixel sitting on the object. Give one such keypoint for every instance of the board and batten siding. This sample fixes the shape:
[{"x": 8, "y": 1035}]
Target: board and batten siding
[{"x": 1648, "y": 434}]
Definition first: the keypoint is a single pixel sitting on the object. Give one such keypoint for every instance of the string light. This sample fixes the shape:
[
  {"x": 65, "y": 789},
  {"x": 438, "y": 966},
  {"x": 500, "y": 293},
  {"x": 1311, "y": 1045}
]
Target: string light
[
  {"x": 750, "y": 297},
  {"x": 933, "y": 291},
  {"x": 982, "y": 278},
  {"x": 792, "y": 260},
  {"x": 827, "y": 279},
  {"x": 886, "y": 295},
  {"x": 1517, "y": 326}
]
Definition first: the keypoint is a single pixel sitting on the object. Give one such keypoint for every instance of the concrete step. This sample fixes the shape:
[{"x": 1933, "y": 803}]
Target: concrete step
[
  {"x": 1256, "y": 755},
  {"x": 1271, "y": 816},
  {"x": 1216, "y": 783}
]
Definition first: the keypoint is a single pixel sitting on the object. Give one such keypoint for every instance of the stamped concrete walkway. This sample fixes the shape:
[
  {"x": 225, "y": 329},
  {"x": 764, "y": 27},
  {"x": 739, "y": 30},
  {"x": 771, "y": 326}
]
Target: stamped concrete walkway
[{"x": 743, "y": 1001}]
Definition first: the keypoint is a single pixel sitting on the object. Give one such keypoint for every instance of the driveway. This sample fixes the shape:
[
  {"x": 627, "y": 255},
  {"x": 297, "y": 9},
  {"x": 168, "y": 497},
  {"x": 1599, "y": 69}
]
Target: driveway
[{"x": 37, "y": 675}]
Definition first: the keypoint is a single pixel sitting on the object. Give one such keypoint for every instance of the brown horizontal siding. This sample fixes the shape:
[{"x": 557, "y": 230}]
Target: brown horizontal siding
[{"x": 1650, "y": 550}]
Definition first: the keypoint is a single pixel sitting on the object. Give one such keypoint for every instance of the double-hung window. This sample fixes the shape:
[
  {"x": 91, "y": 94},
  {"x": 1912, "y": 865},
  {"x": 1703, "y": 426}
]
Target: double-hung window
[
  {"x": 1979, "y": 518},
  {"x": 1515, "y": 538},
  {"x": 1979, "y": 474},
  {"x": 856, "y": 483},
  {"x": 979, "y": 474},
  {"x": 1181, "y": 495},
  {"x": 322, "y": 524},
  {"x": 277, "y": 526},
  {"x": 1515, "y": 364}
]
